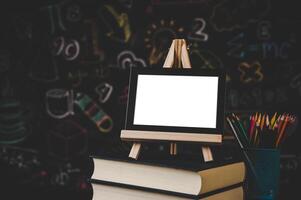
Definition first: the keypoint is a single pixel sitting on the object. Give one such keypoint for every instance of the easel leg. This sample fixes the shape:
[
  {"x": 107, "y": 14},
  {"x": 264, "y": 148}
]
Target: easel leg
[
  {"x": 207, "y": 154},
  {"x": 135, "y": 151},
  {"x": 173, "y": 148}
]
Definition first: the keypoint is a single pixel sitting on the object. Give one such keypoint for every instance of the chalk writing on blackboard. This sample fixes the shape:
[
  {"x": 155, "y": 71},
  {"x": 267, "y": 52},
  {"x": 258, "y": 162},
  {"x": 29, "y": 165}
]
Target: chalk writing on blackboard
[
  {"x": 95, "y": 51},
  {"x": 64, "y": 175},
  {"x": 265, "y": 49},
  {"x": 204, "y": 59},
  {"x": 67, "y": 138},
  {"x": 197, "y": 33},
  {"x": 102, "y": 72},
  {"x": 20, "y": 158},
  {"x": 74, "y": 13},
  {"x": 59, "y": 103},
  {"x": 76, "y": 77},
  {"x": 250, "y": 72},
  {"x": 236, "y": 46},
  {"x": 127, "y": 59},
  {"x": 58, "y": 45},
  {"x": 264, "y": 30},
  {"x": 158, "y": 38},
  {"x": 94, "y": 112},
  {"x": 275, "y": 50},
  {"x": 104, "y": 91},
  {"x": 13, "y": 127},
  {"x": 257, "y": 97},
  {"x": 54, "y": 13},
  {"x": 69, "y": 49},
  {"x": 109, "y": 14},
  {"x": 224, "y": 16}
]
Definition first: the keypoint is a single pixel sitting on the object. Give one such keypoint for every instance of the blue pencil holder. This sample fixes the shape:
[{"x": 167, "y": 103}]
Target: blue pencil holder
[{"x": 266, "y": 164}]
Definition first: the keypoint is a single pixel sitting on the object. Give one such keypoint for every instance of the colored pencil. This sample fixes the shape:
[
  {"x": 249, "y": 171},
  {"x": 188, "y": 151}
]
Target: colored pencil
[
  {"x": 249, "y": 161},
  {"x": 280, "y": 123},
  {"x": 263, "y": 130},
  {"x": 262, "y": 122},
  {"x": 251, "y": 133},
  {"x": 273, "y": 120},
  {"x": 241, "y": 127},
  {"x": 282, "y": 130}
]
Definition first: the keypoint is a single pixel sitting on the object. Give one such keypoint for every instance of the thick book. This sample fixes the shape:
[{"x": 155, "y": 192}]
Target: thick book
[
  {"x": 182, "y": 176},
  {"x": 104, "y": 192}
]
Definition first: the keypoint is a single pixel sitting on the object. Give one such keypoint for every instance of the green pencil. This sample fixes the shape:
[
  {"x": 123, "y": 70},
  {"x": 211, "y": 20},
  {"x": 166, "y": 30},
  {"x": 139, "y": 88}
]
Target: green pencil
[{"x": 241, "y": 127}]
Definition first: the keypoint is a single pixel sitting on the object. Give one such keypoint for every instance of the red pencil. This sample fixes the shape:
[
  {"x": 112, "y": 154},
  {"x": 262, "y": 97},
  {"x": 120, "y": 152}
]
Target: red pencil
[
  {"x": 252, "y": 125},
  {"x": 281, "y": 133},
  {"x": 281, "y": 122}
]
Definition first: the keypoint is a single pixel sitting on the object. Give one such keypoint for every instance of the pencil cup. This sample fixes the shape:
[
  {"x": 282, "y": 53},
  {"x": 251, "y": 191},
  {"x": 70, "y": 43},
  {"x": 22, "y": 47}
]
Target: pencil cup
[{"x": 266, "y": 163}]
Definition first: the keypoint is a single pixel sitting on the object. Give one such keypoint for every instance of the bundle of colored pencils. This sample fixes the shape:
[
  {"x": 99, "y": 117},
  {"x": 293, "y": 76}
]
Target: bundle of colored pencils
[{"x": 262, "y": 130}]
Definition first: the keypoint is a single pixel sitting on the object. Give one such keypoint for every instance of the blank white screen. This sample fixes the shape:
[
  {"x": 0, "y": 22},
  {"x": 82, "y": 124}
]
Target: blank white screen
[{"x": 181, "y": 101}]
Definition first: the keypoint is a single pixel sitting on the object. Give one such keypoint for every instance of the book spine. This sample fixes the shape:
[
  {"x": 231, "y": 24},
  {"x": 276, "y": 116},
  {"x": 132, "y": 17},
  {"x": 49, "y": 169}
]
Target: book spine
[{"x": 95, "y": 181}]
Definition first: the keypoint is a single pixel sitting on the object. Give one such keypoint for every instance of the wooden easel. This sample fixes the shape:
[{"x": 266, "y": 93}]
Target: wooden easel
[{"x": 177, "y": 57}]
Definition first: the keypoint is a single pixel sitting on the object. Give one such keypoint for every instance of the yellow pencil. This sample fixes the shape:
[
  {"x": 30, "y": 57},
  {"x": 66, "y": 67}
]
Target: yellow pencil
[
  {"x": 275, "y": 125},
  {"x": 259, "y": 116},
  {"x": 262, "y": 122},
  {"x": 273, "y": 120}
]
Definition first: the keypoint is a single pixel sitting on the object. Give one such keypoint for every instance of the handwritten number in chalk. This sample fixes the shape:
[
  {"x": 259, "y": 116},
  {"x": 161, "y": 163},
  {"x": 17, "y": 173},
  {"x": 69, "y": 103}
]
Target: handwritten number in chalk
[
  {"x": 69, "y": 50},
  {"x": 58, "y": 45},
  {"x": 197, "y": 30},
  {"x": 72, "y": 50}
]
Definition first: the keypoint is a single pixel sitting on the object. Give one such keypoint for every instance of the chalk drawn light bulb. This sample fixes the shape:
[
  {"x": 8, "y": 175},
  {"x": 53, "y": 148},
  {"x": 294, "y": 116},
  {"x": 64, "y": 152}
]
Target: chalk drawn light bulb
[{"x": 159, "y": 37}]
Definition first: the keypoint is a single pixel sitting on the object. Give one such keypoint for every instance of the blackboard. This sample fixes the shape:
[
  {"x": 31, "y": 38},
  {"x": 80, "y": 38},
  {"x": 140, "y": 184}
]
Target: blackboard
[{"x": 55, "y": 52}]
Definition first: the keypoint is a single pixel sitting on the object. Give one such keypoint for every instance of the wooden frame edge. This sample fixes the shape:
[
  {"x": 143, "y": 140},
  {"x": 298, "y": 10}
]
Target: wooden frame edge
[{"x": 134, "y": 135}]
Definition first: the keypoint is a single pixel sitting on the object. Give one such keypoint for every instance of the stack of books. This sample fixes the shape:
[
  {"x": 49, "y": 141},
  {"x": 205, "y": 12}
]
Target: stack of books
[{"x": 167, "y": 179}]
